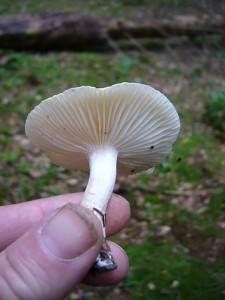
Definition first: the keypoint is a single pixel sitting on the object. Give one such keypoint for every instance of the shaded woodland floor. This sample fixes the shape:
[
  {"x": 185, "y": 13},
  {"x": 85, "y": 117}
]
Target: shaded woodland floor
[{"x": 175, "y": 239}]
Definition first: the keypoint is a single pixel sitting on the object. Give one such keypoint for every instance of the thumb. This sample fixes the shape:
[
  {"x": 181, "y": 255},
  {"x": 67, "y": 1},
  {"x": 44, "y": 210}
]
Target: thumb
[{"x": 52, "y": 257}]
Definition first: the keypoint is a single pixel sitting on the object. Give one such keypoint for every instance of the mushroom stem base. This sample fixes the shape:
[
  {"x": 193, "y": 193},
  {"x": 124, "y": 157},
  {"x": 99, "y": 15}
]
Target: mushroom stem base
[{"x": 104, "y": 261}]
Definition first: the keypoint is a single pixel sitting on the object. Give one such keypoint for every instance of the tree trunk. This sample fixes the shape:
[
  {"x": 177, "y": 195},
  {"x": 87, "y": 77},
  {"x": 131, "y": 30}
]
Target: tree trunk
[{"x": 66, "y": 31}]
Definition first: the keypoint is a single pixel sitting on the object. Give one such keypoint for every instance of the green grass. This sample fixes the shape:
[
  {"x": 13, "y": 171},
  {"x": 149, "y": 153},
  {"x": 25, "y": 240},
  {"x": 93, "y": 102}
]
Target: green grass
[
  {"x": 215, "y": 112},
  {"x": 118, "y": 8},
  {"x": 179, "y": 256},
  {"x": 163, "y": 264},
  {"x": 185, "y": 195},
  {"x": 87, "y": 7}
]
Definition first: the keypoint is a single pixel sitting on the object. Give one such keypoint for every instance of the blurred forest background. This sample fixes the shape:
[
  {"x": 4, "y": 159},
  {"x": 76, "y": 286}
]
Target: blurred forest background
[{"x": 176, "y": 237}]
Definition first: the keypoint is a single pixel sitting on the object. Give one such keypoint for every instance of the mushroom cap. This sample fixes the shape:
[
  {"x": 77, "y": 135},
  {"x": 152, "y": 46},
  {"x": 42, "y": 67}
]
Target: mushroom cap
[{"x": 134, "y": 119}]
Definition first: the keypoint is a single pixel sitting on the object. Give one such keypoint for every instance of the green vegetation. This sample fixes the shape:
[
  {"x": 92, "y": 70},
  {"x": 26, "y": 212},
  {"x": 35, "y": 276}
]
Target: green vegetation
[
  {"x": 98, "y": 7},
  {"x": 170, "y": 274},
  {"x": 175, "y": 241},
  {"x": 118, "y": 8},
  {"x": 215, "y": 112}
]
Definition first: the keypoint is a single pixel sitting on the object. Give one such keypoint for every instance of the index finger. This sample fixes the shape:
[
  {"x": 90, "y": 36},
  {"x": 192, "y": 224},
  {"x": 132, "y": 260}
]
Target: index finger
[{"x": 16, "y": 219}]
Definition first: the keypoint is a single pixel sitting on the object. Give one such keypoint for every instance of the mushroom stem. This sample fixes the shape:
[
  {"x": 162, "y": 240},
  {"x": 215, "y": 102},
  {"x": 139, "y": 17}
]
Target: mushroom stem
[
  {"x": 102, "y": 179},
  {"x": 100, "y": 186}
]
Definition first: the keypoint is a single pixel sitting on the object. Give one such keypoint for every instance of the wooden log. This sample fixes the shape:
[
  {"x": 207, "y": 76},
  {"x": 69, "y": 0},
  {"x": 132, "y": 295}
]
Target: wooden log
[
  {"x": 67, "y": 31},
  {"x": 176, "y": 26},
  {"x": 57, "y": 31}
]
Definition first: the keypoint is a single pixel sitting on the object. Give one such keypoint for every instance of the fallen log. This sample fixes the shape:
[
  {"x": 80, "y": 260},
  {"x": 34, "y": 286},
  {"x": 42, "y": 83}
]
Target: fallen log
[
  {"x": 56, "y": 31},
  {"x": 67, "y": 31}
]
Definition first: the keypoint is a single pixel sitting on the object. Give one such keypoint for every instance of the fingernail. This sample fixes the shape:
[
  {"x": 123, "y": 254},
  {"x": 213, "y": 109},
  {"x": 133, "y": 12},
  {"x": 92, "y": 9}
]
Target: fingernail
[{"x": 69, "y": 233}]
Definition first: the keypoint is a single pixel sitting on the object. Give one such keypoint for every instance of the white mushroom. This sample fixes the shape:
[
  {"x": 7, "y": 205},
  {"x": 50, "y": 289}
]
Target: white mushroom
[{"x": 124, "y": 128}]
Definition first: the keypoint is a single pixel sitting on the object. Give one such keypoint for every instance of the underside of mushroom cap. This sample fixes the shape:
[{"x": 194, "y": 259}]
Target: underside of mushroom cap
[{"x": 135, "y": 120}]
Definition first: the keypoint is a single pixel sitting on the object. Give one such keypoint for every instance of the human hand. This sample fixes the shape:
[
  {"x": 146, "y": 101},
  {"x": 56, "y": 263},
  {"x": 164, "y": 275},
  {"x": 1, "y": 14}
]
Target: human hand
[{"x": 49, "y": 245}]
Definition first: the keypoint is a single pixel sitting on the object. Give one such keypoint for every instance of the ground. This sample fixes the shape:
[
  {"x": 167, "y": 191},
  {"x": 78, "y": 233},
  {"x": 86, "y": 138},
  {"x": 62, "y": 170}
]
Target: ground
[{"x": 175, "y": 239}]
